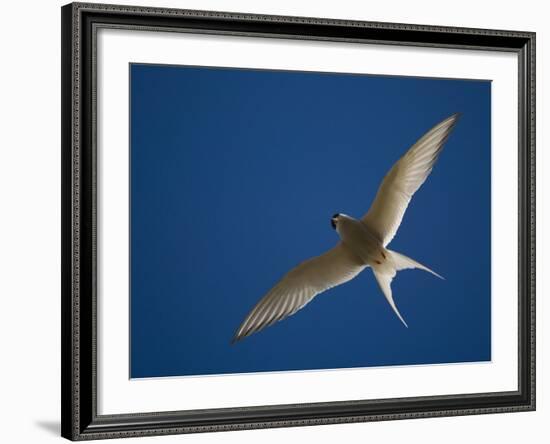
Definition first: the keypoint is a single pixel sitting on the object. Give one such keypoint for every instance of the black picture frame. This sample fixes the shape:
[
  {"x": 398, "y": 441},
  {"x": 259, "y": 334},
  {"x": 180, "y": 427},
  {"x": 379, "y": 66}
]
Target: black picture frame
[{"x": 79, "y": 170}]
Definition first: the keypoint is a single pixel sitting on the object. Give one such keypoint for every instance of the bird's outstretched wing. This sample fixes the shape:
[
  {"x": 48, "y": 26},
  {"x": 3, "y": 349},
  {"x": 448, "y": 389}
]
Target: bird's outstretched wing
[
  {"x": 299, "y": 286},
  {"x": 404, "y": 178}
]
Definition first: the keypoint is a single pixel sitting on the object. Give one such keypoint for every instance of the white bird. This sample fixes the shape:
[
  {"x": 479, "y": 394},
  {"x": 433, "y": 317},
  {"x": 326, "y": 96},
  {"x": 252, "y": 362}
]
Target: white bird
[{"x": 362, "y": 242}]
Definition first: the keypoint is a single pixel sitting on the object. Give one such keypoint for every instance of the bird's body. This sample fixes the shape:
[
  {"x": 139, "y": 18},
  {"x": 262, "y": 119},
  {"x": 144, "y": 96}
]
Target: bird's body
[
  {"x": 357, "y": 236},
  {"x": 362, "y": 243}
]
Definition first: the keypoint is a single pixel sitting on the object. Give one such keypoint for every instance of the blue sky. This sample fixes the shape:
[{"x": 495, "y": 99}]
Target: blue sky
[{"x": 235, "y": 175}]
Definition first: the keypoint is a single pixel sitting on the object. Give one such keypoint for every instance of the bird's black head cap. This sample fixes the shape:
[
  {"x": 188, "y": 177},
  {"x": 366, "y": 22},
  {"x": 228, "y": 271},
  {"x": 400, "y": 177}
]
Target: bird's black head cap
[{"x": 333, "y": 220}]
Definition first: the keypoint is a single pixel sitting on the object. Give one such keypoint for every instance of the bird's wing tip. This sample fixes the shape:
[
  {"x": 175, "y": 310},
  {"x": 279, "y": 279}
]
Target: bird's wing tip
[
  {"x": 451, "y": 120},
  {"x": 454, "y": 117},
  {"x": 236, "y": 339}
]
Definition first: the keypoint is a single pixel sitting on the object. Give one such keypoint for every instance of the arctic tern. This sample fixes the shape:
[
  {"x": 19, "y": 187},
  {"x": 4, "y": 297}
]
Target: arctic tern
[{"x": 362, "y": 242}]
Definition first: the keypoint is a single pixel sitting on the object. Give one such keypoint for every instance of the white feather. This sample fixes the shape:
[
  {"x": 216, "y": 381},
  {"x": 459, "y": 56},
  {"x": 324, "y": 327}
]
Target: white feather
[
  {"x": 384, "y": 281},
  {"x": 404, "y": 179},
  {"x": 300, "y": 286}
]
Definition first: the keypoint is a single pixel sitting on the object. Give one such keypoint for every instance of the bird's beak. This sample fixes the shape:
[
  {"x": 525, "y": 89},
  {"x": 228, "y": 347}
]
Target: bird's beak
[{"x": 333, "y": 223}]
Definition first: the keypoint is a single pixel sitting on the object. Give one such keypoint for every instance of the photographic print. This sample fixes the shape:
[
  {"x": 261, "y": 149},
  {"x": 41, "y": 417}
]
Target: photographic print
[
  {"x": 274, "y": 221},
  {"x": 292, "y": 221}
]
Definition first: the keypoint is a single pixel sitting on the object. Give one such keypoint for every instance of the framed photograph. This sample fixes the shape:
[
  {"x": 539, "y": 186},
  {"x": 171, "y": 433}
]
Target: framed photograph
[{"x": 282, "y": 221}]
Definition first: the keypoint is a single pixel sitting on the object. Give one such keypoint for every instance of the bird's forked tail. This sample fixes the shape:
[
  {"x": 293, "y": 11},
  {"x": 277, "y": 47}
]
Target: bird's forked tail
[{"x": 385, "y": 273}]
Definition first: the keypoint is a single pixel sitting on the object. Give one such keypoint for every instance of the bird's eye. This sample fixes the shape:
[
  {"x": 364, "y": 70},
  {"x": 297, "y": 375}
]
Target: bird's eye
[{"x": 336, "y": 216}]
